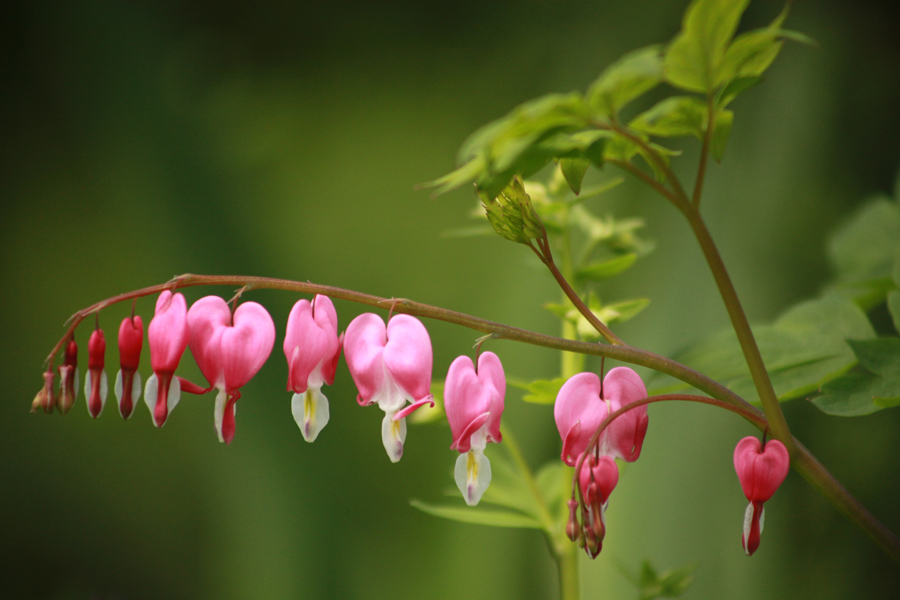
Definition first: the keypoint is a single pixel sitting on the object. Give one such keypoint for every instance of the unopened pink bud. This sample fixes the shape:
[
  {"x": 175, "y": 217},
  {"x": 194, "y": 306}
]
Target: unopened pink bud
[
  {"x": 68, "y": 379},
  {"x": 128, "y": 380},
  {"x": 95, "y": 386},
  {"x": 46, "y": 397}
]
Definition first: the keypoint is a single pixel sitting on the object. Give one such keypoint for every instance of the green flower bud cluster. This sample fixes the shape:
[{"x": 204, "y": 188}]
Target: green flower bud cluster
[{"x": 512, "y": 215}]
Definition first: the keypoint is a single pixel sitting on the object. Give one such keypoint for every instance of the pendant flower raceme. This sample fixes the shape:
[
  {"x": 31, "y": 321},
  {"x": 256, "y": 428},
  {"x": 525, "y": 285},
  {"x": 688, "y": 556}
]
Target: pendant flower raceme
[
  {"x": 760, "y": 471},
  {"x": 128, "y": 380},
  {"x": 473, "y": 401},
  {"x": 168, "y": 337},
  {"x": 229, "y": 350},
  {"x": 312, "y": 348},
  {"x": 390, "y": 366}
]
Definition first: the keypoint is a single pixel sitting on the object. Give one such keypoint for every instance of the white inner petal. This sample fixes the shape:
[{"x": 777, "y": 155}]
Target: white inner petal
[
  {"x": 473, "y": 475},
  {"x": 393, "y": 434},
  {"x": 311, "y": 413},
  {"x": 219, "y": 413}
]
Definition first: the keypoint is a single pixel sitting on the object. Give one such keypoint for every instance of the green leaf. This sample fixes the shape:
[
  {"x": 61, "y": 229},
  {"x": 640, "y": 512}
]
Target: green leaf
[
  {"x": 721, "y": 133},
  {"x": 554, "y": 480},
  {"x": 735, "y": 88},
  {"x": 573, "y": 170},
  {"x": 478, "y": 516},
  {"x": 543, "y": 391},
  {"x": 671, "y": 583},
  {"x": 694, "y": 58},
  {"x": 802, "y": 350},
  {"x": 677, "y": 116},
  {"x": 600, "y": 270},
  {"x": 467, "y": 173},
  {"x": 628, "y": 78},
  {"x": 508, "y": 489},
  {"x": 893, "y": 303},
  {"x": 864, "y": 252},
  {"x": 875, "y": 386},
  {"x": 619, "y": 312}
]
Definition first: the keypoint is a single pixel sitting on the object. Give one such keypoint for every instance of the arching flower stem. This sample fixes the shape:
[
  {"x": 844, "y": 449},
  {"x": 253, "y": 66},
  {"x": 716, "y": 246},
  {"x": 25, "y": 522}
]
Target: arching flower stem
[{"x": 801, "y": 460}]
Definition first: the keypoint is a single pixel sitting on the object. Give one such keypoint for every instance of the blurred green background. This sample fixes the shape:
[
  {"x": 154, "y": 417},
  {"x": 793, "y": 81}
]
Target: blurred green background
[{"x": 146, "y": 139}]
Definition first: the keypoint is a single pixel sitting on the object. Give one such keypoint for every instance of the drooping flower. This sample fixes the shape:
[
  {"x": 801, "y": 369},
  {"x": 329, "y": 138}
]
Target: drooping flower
[
  {"x": 579, "y": 410},
  {"x": 473, "y": 402},
  {"x": 312, "y": 348},
  {"x": 760, "y": 471},
  {"x": 168, "y": 337},
  {"x": 390, "y": 366},
  {"x": 229, "y": 350},
  {"x": 128, "y": 380},
  {"x": 95, "y": 384},
  {"x": 597, "y": 479},
  {"x": 68, "y": 379}
]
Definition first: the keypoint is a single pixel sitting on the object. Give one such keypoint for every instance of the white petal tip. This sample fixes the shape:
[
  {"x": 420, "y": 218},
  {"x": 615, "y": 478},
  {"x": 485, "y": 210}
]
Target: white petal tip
[{"x": 311, "y": 413}]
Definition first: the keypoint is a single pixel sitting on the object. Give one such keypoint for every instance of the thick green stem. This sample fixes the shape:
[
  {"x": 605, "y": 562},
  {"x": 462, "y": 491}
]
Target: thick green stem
[
  {"x": 569, "y": 582},
  {"x": 772, "y": 408}
]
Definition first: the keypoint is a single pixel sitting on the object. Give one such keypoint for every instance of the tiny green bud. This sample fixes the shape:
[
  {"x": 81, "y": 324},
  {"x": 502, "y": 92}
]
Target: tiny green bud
[{"x": 512, "y": 214}]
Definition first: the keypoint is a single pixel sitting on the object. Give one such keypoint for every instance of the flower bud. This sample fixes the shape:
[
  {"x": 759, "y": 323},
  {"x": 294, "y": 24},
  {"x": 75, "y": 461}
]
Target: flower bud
[
  {"x": 45, "y": 398},
  {"x": 128, "y": 380},
  {"x": 512, "y": 214},
  {"x": 95, "y": 385},
  {"x": 68, "y": 379},
  {"x": 572, "y": 528}
]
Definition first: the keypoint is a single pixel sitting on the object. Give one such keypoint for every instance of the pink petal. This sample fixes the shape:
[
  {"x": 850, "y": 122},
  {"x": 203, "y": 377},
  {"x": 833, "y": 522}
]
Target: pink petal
[
  {"x": 407, "y": 356},
  {"x": 490, "y": 372},
  {"x": 311, "y": 343},
  {"x": 246, "y": 345},
  {"x": 207, "y": 320},
  {"x": 472, "y": 400},
  {"x": 759, "y": 470},
  {"x": 364, "y": 343},
  {"x": 579, "y": 401},
  {"x": 168, "y": 332},
  {"x": 604, "y": 472},
  {"x": 625, "y": 436}
]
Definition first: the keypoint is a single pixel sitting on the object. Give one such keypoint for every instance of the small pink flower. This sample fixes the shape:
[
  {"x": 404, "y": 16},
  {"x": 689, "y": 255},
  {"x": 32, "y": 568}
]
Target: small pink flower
[
  {"x": 95, "y": 385},
  {"x": 390, "y": 366},
  {"x": 168, "y": 337},
  {"x": 312, "y": 348},
  {"x": 128, "y": 380},
  {"x": 579, "y": 410},
  {"x": 68, "y": 379},
  {"x": 474, "y": 404},
  {"x": 229, "y": 351},
  {"x": 760, "y": 472}
]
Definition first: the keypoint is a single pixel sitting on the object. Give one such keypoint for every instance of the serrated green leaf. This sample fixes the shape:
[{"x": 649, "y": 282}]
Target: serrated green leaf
[
  {"x": 693, "y": 59},
  {"x": 628, "y": 78},
  {"x": 751, "y": 53},
  {"x": 721, "y": 133},
  {"x": 467, "y": 173},
  {"x": 802, "y": 350},
  {"x": 573, "y": 169},
  {"x": 875, "y": 386},
  {"x": 543, "y": 391},
  {"x": 477, "y": 516},
  {"x": 601, "y": 270},
  {"x": 673, "y": 117}
]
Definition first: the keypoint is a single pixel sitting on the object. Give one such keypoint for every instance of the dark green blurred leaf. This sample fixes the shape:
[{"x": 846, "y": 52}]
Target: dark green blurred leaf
[
  {"x": 628, "y": 78},
  {"x": 862, "y": 393},
  {"x": 735, "y": 88},
  {"x": 600, "y": 270},
  {"x": 673, "y": 117},
  {"x": 802, "y": 350},
  {"x": 893, "y": 303},
  {"x": 694, "y": 58},
  {"x": 864, "y": 252},
  {"x": 543, "y": 391},
  {"x": 668, "y": 584},
  {"x": 573, "y": 170},
  {"x": 751, "y": 53},
  {"x": 721, "y": 133},
  {"x": 477, "y": 515}
]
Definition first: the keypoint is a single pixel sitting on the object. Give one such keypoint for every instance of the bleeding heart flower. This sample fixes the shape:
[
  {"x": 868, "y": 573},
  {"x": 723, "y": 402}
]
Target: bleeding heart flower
[
  {"x": 390, "y": 366},
  {"x": 128, "y": 380},
  {"x": 229, "y": 351},
  {"x": 168, "y": 337},
  {"x": 312, "y": 348},
  {"x": 473, "y": 402},
  {"x": 760, "y": 472},
  {"x": 95, "y": 385},
  {"x": 579, "y": 410},
  {"x": 68, "y": 379}
]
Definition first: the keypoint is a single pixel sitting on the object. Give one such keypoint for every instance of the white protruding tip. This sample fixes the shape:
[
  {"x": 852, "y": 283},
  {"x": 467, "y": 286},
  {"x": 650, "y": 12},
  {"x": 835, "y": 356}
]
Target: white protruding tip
[
  {"x": 393, "y": 434},
  {"x": 310, "y": 410},
  {"x": 472, "y": 475}
]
